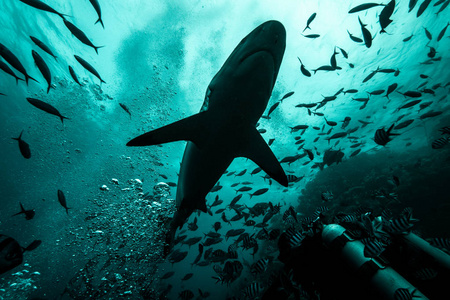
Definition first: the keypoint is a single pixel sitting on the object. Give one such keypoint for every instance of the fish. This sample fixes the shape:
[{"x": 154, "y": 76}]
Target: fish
[
  {"x": 366, "y": 34},
  {"x": 287, "y": 95},
  {"x": 333, "y": 62},
  {"x": 368, "y": 77},
  {"x": 440, "y": 143},
  {"x": 411, "y": 94},
  {"x": 8, "y": 70},
  {"x": 403, "y": 293},
  {"x": 385, "y": 14},
  {"x": 253, "y": 291},
  {"x": 444, "y": 6},
  {"x": 412, "y": 4},
  {"x": 80, "y": 35},
  {"x": 74, "y": 75},
  {"x": 46, "y": 107},
  {"x": 244, "y": 189},
  {"x": 344, "y": 53},
  {"x": 23, "y": 146},
  {"x": 259, "y": 192},
  {"x": 373, "y": 248},
  {"x": 125, "y": 108},
  {"x": 445, "y": 130},
  {"x": 409, "y": 104},
  {"x": 303, "y": 68},
  {"x": 42, "y": 66},
  {"x": 88, "y": 67},
  {"x": 442, "y": 32},
  {"x": 422, "y": 7},
  {"x": 337, "y": 136},
  {"x": 310, "y": 19},
  {"x": 187, "y": 276},
  {"x": 168, "y": 275},
  {"x": 430, "y": 114},
  {"x": 391, "y": 88},
  {"x": 404, "y": 124},
  {"x": 298, "y": 127},
  {"x": 354, "y": 38},
  {"x": 272, "y": 108},
  {"x": 260, "y": 266},
  {"x": 382, "y": 137},
  {"x": 14, "y": 62},
  {"x": 364, "y": 7},
  {"x": 312, "y": 36},
  {"x": 256, "y": 171},
  {"x": 330, "y": 157},
  {"x": 330, "y": 123},
  {"x": 42, "y": 6},
  {"x": 29, "y": 213},
  {"x": 217, "y": 226},
  {"x": 186, "y": 295},
  {"x": 351, "y": 91},
  {"x": 97, "y": 8},
  {"x": 229, "y": 132},
  {"x": 43, "y": 46},
  {"x": 428, "y": 34},
  {"x": 408, "y": 38},
  {"x": 11, "y": 252},
  {"x": 62, "y": 201}
]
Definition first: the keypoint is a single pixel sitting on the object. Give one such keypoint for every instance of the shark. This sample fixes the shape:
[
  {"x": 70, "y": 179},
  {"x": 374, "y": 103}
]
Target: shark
[{"x": 225, "y": 127}]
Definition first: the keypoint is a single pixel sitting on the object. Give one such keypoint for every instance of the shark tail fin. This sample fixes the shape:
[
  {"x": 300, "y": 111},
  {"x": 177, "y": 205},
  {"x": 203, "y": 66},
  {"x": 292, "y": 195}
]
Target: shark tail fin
[
  {"x": 256, "y": 149},
  {"x": 192, "y": 129}
]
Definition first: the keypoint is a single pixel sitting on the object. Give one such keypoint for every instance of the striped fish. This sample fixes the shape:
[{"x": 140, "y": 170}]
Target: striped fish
[
  {"x": 441, "y": 243},
  {"x": 373, "y": 248},
  {"x": 443, "y": 130},
  {"x": 253, "y": 291},
  {"x": 404, "y": 294},
  {"x": 382, "y": 137},
  {"x": 440, "y": 143},
  {"x": 425, "y": 274},
  {"x": 249, "y": 242},
  {"x": 296, "y": 239},
  {"x": 260, "y": 266}
]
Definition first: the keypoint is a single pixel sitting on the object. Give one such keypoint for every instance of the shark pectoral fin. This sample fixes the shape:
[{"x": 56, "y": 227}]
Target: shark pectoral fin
[
  {"x": 191, "y": 205},
  {"x": 193, "y": 128},
  {"x": 258, "y": 151}
]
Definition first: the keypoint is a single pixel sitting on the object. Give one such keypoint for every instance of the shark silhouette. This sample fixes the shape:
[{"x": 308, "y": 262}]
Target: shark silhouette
[{"x": 225, "y": 128}]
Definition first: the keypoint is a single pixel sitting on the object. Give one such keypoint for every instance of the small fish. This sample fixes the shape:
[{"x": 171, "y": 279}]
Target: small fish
[
  {"x": 88, "y": 67},
  {"x": 42, "y": 6},
  {"x": 385, "y": 14},
  {"x": 409, "y": 104},
  {"x": 382, "y": 137},
  {"x": 310, "y": 19},
  {"x": 303, "y": 68},
  {"x": 344, "y": 53},
  {"x": 46, "y": 107},
  {"x": 408, "y": 38},
  {"x": 333, "y": 58},
  {"x": 366, "y": 34},
  {"x": 62, "y": 201},
  {"x": 440, "y": 143},
  {"x": 8, "y": 70},
  {"x": 391, "y": 89},
  {"x": 272, "y": 108},
  {"x": 29, "y": 214},
  {"x": 14, "y": 62},
  {"x": 428, "y": 34},
  {"x": 125, "y": 108},
  {"x": 368, "y": 77},
  {"x": 43, "y": 46},
  {"x": 396, "y": 180},
  {"x": 74, "y": 76},
  {"x": 364, "y": 7},
  {"x": 412, "y": 4},
  {"x": 445, "y": 130},
  {"x": 23, "y": 146},
  {"x": 286, "y": 96},
  {"x": 430, "y": 114},
  {"x": 311, "y": 36},
  {"x": 422, "y": 7},
  {"x": 187, "y": 276},
  {"x": 259, "y": 192},
  {"x": 168, "y": 275},
  {"x": 12, "y": 253},
  {"x": 42, "y": 66},
  {"x": 97, "y": 8},
  {"x": 79, "y": 34},
  {"x": 404, "y": 124},
  {"x": 376, "y": 92},
  {"x": 441, "y": 34},
  {"x": 354, "y": 38},
  {"x": 411, "y": 94},
  {"x": 373, "y": 248}
]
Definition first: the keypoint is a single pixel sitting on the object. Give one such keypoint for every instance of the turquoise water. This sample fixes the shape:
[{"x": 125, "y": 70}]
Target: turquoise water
[{"x": 158, "y": 59}]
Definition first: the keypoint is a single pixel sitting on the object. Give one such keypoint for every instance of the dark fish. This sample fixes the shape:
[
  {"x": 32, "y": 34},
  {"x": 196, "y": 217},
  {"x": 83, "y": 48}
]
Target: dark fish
[
  {"x": 309, "y": 153},
  {"x": 325, "y": 68},
  {"x": 167, "y": 275},
  {"x": 42, "y": 66},
  {"x": 344, "y": 53},
  {"x": 390, "y": 89},
  {"x": 241, "y": 173},
  {"x": 43, "y": 46},
  {"x": 12, "y": 253},
  {"x": 351, "y": 91},
  {"x": 422, "y": 7},
  {"x": 286, "y": 96},
  {"x": 412, "y": 94},
  {"x": 412, "y": 4},
  {"x": 259, "y": 192},
  {"x": 8, "y": 70},
  {"x": 354, "y": 38},
  {"x": 88, "y": 67},
  {"x": 430, "y": 114},
  {"x": 125, "y": 108},
  {"x": 303, "y": 69},
  {"x": 445, "y": 130},
  {"x": 444, "y": 6},
  {"x": 14, "y": 62},
  {"x": 74, "y": 76},
  {"x": 428, "y": 34},
  {"x": 271, "y": 142},
  {"x": 441, "y": 34},
  {"x": 337, "y": 136},
  {"x": 62, "y": 201},
  {"x": 42, "y": 6},
  {"x": 186, "y": 295},
  {"x": 243, "y": 189},
  {"x": 217, "y": 225},
  {"x": 310, "y": 19},
  {"x": 366, "y": 34},
  {"x": 364, "y": 7},
  {"x": 376, "y": 92},
  {"x": 356, "y": 152},
  {"x": 188, "y": 275},
  {"x": 373, "y": 249},
  {"x": 409, "y": 104},
  {"x": 330, "y": 123},
  {"x": 256, "y": 171},
  {"x": 96, "y": 6},
  {"x": 440, "y": 143},
  {"x": 23, "y": 146},
  {"x": 333, "y": 58},
  {"x": 382, "y": 137},
  {"x": 272, "y": 108},
  {"x": 408, "y": 38},
  {"x": 396, "y": 180},
  {"x": 29, "y": 214},
  {"x": 46, "y": 107},
  {"x": 403, "y": 124},
  {"x": 385, "y": 14},
  {"x": 80, "y": 35},
  {"x": 369, "y": 76},
  {"x": 312, "y": 36}
]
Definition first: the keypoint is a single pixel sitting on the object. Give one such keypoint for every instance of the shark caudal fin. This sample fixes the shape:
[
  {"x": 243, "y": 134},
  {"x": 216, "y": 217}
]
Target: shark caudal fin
[
  {"x": 193, "y": 128},
  {"x": 255, "y": 148}
]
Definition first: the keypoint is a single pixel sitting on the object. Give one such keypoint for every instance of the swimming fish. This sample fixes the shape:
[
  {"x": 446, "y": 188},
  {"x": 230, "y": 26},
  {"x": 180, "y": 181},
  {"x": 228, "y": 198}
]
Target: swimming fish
[
  {"x": 303, "y": 68},
  {"x": 125, "y": 108},
  {"x": 385, "y": 14},
  {"x": 42, "y": 66},
  {"x": 366, "y": 34},
  {"x": 23, "y": 146},
  {"x": 310, "y": 19},
  {"x": 29, "y": 213},
  {"x": 364, "y": 7},
  {"x": 74, "y": 75},
  {"x": 88, "y": 67},
  {"x": 11, "y": 252},
  {"x": 8, "y": 70},
  {"x": 43, "y": 46},
  {"x": 97, "y": 8},
  {"x": 80, "y": 35},
  {"x": 42, "y": 6},
  {"x": 382, "y": 137},
  {"x": 46, "y": 107},
  {"x": 62, "y": 201},
  {"x": 14, "y": 62}
]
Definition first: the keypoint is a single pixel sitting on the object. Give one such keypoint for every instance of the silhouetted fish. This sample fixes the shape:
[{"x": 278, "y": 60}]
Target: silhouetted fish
[
  {"x": 23, "y": 146},
  {"x": 303, "y": 69},
  {"x": 62, "y": 200},
  {"x": 42, "y": 66},
  {"x": 364, "y": 7},
  {"x": 42, "y": 6},
  {"x": 125, "y": 108},
  {"x": 74, "y": 76},
  {"x": 422, "y": 7},
  {"x": 88, "y": 67},
  {"x": 385, "y": 14},
  {"x": 46, "y": 107},
  {"x": 96, "y": 6},
  {"x": 29, "y": 214},
  {"x": 8, "y": 70},
  {"x": 310, "y": 19},
  {"x": 14, "y": 62},
  {"x": 366, "y": 34},
  {"x": 80, "y": 35},
  {"x": 41, "y": 45},
  {"x": 12, "y": 253}
]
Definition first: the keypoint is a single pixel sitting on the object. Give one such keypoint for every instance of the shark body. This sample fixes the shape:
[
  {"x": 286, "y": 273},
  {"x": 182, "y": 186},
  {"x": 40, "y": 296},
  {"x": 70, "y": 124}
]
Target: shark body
[{"x": 225, "y": 128}]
